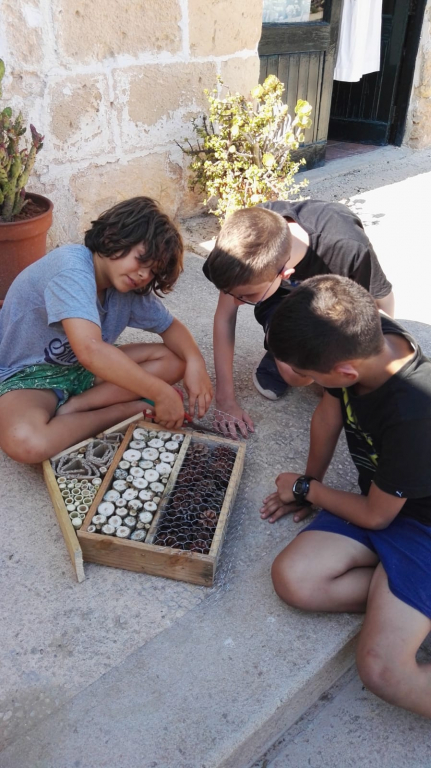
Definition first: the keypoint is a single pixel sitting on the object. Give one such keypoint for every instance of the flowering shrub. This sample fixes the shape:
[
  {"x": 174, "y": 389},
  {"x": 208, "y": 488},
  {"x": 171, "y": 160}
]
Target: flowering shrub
[{"x": 242, "y": 155}]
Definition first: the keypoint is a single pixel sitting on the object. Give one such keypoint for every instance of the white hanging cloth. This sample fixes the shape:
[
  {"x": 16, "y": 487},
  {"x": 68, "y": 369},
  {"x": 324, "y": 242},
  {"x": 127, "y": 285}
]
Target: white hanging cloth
[{"x": 359, "y": 43}]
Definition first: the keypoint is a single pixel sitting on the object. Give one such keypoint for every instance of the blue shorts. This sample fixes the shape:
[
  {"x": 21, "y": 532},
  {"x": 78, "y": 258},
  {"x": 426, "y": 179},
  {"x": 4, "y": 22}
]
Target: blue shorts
[{"x": 403, "y": 548}]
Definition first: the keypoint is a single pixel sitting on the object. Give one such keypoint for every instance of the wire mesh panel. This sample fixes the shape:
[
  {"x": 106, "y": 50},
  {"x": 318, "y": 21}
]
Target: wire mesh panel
[
  {"x": 216, "y": 422},
  {"x": 158, "y": 502},
  {"x": 192, "y": 511}
]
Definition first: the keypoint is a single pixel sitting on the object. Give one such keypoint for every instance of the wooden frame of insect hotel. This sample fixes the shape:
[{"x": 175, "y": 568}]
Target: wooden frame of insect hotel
[{"x": 159, "y": 503}]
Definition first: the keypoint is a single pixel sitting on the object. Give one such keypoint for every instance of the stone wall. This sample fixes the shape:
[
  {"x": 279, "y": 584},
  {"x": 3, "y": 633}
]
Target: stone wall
[
  {"x": 112, "y": 84},
  {"x": 418, "y": 128}
]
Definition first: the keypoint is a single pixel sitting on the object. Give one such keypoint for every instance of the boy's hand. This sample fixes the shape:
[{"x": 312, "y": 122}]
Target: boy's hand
[
  {"x": 284, "y": 483},
  {"x": 169, "y": 409},
  {"x": 273, "y": 508},
  {"x": 282, "y": 501},
  {"x": 198, "y": 386},
  {"x": 230, "y": 417}
]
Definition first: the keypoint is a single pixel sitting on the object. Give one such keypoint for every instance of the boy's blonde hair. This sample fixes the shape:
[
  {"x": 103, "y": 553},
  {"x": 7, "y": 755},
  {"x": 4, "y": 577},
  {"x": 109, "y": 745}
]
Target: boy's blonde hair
[{"x": 252, "y": 247}]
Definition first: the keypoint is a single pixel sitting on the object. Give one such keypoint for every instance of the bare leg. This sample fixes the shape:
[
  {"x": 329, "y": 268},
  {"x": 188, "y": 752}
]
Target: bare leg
[
  {"x": 386, "y": 654},
  {"x": 154, "y": 358},
  {"x": 321, "y": 571},
  {"x": 30, "y": 433}
]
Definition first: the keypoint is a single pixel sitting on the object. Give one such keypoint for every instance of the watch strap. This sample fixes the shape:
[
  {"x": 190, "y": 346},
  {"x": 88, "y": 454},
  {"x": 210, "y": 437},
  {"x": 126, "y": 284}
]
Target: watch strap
[{"x": 301, "y": 497}]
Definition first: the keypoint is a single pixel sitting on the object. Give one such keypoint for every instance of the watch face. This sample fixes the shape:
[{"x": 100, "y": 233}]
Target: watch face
[{"x": 299, "y": 486}]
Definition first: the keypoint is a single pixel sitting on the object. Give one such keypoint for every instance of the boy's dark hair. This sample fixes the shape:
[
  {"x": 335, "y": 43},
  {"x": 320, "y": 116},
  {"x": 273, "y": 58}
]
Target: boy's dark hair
[
  {"x": 252, "y": 246},
  {"x": 134, "y": 221},
  {"x": 327, "y": 320}
]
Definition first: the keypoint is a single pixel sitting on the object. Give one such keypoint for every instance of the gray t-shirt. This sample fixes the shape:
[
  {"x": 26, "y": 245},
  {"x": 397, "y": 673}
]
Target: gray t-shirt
[{"x": 62, "y": 285}]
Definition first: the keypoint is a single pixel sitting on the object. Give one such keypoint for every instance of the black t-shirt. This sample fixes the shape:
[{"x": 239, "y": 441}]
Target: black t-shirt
[
  {"x": 388, "y": 432},
  {"x": 338, "y": 245}
]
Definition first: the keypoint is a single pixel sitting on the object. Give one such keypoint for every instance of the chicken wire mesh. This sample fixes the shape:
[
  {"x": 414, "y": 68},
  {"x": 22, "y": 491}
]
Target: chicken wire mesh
[
  {"x": 192, "y": 508},
  {"x": 190, "y": 517},
  {"x": 215, "y": 421}
]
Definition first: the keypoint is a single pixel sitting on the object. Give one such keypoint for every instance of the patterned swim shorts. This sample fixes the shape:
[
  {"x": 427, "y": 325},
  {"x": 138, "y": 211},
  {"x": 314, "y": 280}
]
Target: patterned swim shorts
[{"x": 64, "y": 380}]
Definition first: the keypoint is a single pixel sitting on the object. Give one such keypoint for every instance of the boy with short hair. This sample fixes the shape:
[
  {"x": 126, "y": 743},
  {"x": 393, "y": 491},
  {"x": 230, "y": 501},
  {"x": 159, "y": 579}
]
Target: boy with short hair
[
  {"x": 368, "y": 552},
  {"x": 255, "y": 255}
]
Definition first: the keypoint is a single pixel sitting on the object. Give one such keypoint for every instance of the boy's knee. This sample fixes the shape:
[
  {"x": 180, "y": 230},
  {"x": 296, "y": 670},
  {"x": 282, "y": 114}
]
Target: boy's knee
[
  {"x": 291, "y": 582},
  {"x": 378, "y": 672},
  {"x": 23, "y": 445},
  {"x": 176, "y": 362}
]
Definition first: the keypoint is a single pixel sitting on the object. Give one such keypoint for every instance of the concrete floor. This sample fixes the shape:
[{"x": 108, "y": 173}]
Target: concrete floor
[
  {"x": 138, "y": 672},
  {"x": 349, "y": 727}
]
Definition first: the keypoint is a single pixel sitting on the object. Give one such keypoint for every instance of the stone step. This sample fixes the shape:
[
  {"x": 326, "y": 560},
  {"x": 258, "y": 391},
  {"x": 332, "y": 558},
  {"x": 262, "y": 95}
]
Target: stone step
[
  {"x": 213, "y": 691},
  {"x": 234, "y": 668},
  {"x": 351, "y": 727}
]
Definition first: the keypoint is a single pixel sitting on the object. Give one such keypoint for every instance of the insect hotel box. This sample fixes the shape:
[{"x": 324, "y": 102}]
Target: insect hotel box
[{"x": 159, "y": 502}]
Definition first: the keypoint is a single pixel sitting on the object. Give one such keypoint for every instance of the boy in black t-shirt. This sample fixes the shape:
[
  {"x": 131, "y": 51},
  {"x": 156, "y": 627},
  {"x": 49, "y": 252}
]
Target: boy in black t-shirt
[
  {"x": 368, "y": 552},
  {"x": 256, "y": 252}
]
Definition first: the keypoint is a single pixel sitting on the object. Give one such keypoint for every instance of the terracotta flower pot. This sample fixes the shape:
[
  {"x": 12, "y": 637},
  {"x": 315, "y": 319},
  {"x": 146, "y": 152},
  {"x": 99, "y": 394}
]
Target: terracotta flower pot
[{"x": 23, "y": 242}]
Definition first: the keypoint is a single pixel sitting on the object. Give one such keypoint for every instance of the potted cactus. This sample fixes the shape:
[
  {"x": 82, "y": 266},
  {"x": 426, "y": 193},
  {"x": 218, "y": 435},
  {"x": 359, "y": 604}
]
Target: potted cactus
[{"x": 24, "y": 217}]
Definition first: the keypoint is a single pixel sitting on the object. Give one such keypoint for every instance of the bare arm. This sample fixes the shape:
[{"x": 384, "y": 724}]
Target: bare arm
[
  {"x": 375, "y": 511},
  {"x": 387, "y": 304},
  {"x": 325, "y": 429},
  {"x": 326, "y": 425},
  {"x": 111, "y": 364},
  {"x": 196, "y": 380},
  {"x": 224, "y": 346}
]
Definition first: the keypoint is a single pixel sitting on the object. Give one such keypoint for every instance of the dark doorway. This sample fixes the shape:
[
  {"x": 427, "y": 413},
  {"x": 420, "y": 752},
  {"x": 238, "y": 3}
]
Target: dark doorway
[
  {"x": 374, "y": 109},
  {"x": 300, "y": 49},
  {"x": 301, "y": 54}
]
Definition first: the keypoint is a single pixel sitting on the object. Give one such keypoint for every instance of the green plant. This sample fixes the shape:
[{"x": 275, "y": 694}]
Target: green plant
[
  {"x": 242, "y": 156},
  {"x": 15, "y": 164}
]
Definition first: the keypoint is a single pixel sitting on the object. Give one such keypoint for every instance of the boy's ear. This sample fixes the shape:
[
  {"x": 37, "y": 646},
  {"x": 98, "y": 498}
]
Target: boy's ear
[
  {"x": 348, "y": 371},
  {"x": 287, "y": 272}
]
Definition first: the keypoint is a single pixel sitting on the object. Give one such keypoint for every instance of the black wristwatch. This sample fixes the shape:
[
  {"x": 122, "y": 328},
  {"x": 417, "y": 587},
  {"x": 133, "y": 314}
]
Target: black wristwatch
[{"x": 300, "y": 488}]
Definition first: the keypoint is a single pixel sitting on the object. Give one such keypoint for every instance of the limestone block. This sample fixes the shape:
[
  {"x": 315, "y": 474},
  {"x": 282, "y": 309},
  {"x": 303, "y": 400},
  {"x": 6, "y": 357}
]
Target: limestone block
[
  {"x": 80, "y": 116},
  {"x": 64, "y": 225},
  {"x": 98, "y": 187},
  {"x": 22, "y": 25},
  {"x": 424, "y": 90},
  {"x": 26, "y": 86},
  {"x": 155, "y": 103},
  {"x": 157, "y": 90},
  {"x": 191, "y": 204},
  {"x": 98, "y": 29},
  {"x": 220, "y": 27},
  {"x": 192, "y": 199},
  {"x": 420, "y": 134},
  {"x": 241, "y": 75}
]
